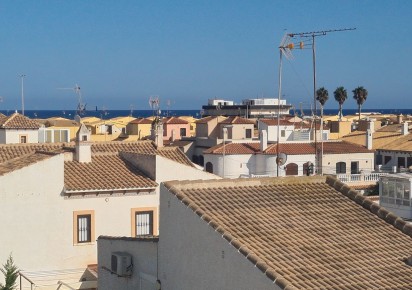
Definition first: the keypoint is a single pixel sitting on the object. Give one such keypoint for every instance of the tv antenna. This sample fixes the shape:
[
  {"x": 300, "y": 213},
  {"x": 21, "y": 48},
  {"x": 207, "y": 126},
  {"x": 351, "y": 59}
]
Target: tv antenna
[
  {"x": 81, "y": 107},
  {"x": 131, "y": 110},
  {"x": 154, "y": 103},
  {"x": 303, "y": 37}
]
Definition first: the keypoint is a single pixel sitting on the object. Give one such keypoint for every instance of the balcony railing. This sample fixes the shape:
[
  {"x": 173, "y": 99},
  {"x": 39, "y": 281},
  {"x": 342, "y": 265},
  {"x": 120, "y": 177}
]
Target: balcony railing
[{"x": 362, "y": 177}]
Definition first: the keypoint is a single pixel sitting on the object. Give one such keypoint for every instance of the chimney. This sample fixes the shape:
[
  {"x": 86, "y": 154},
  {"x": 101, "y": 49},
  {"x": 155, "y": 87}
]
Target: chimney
[
  {"x": 371, "y": 125},
  {"x": 83, "y": 145},
  {"x": 369, "y": 139},
  {"x": 399, "y": 118},
  {"x": 405, "y": 128},
  {"x": 157, "y": 132},
  {"x": 263, "y": 140}
]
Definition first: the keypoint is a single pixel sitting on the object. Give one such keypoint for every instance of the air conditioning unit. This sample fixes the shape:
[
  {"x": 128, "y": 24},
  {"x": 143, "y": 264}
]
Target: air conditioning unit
[{"x": 122, "y": 264}]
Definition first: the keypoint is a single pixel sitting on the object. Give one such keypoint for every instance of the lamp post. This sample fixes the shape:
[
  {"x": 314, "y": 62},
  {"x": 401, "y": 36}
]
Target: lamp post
[{"x": 224, "y": 131}]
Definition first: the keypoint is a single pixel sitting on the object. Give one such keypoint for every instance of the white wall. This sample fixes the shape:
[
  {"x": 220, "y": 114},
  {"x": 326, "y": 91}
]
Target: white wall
[
  {"x": 144, "y": 258},
  {"x": 193, "y": 256},
  {"x": 38, "y": 220},
  {"x": 12, "y": 136}
]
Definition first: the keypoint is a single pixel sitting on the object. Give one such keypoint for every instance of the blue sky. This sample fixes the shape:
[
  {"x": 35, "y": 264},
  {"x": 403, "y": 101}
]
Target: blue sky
[{"x": 122, "y": 52}]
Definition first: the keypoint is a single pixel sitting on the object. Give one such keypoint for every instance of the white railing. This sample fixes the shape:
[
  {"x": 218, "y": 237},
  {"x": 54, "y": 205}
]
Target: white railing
[{"x": 367, "y": 177}]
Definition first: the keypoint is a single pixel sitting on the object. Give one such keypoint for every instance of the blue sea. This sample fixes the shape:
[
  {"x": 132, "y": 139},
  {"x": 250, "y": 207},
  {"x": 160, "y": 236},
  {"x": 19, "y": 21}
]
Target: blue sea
[{"x": 69, "y": 114}]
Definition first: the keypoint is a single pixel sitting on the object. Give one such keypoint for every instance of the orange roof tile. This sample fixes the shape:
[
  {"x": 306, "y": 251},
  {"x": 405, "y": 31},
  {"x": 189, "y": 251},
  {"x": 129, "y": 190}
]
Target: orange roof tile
[
  {"x": 236, "y": 120},
  {"x": 18, "y": 121},
  {"x": 333, "y": 147},
  {"x": 174, "y": 120},
  {"x": 105, "y": 172},
  {"x": 23, "y": 161},
  {"x": 141, "y": 121},
  {"x": 305, "y": 233}
]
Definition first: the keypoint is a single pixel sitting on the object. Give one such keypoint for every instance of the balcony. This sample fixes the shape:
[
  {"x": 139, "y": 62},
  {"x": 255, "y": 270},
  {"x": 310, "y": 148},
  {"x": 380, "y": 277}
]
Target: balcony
[{"x": 362, "y": 178}]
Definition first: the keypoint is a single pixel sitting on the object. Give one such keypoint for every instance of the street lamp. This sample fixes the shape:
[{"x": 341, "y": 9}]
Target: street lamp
[{"x": 224, "y": 130}]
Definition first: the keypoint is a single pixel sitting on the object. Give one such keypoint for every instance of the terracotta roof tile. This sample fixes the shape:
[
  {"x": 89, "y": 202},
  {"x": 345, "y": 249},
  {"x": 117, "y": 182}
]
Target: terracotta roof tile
[
  {"x": 105, "y": 172},
  {"x": 274, "y": 122},
  {"x": 237, "y": 120},
  {"x": 174, "y": 120},
  {"x": 22, "y": 161},
  {"x": 18, "y": 121},
  {"x": 141, "y": 121},
  {"x": 332, "y": 147},
  {"x": 305, "y": 233}
]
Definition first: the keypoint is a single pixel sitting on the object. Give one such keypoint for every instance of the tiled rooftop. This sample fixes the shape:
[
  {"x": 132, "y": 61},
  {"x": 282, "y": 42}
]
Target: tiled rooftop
[
  {"x": 305, "y": 233},
  {"x": 105, "y": 172},
  {"x": 332, "y": 147},
  {"x": 141, "y": 121},
  {"x": 18, "y": 121},
  {"x": 236, "y": 120},
  {"x": 174, "y": 120},
  {"x": 23, "y": 161}
]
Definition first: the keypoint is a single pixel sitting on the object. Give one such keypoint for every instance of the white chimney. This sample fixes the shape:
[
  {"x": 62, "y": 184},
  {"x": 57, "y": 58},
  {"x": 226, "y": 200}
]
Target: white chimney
[
  {"x": 173, "y": 135},
  {"x": 399, "y": 118},
  {"x": 405, "y": 128},
  {"x": 371, "y": 125},
  {"x": 83, "y": 145},
  {"x": 157, "y": 132},
  {"x": 369, "y": 139},
  {"x": 263, "y": 140}
]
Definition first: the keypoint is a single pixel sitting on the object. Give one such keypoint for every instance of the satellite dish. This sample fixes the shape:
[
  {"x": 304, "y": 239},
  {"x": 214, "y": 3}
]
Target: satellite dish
[{"x": 281, "y": 159}]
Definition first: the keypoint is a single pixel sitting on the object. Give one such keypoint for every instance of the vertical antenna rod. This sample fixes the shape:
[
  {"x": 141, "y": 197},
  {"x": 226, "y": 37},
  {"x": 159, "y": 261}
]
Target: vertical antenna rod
[{"x": 22, "y": 76}]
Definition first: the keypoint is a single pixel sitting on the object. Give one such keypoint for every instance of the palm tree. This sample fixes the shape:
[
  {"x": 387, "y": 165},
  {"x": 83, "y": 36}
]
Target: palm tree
[
  {"x": 340, "y": 96},
  {"x": 360, "y": 94},
  {"x": 322, "y": 96},
  {"x": 10, "y": 272}
]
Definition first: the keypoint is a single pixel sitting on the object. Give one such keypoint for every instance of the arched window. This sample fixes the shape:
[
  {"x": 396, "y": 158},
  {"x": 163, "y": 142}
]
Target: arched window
[
  {"x": 340, "y": 167},
  {"x": 195, "y": 159},
  {"x": 209, "y": 167},
  {"x": 292, "y": 169}
]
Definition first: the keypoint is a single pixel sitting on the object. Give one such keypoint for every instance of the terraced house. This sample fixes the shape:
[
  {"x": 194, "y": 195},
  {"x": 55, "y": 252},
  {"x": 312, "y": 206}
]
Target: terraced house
[{"x": 56, "y": 199}]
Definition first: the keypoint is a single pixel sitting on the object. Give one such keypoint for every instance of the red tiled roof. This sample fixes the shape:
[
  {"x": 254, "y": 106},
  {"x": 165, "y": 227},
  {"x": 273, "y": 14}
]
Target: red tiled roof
[
  {"x": 236, "y": 120},
  {"x": 174, "y": 120},
  {"x": 141, "y": 121},
  {"x": 304, "y": 233},
  {"x": 18, "y": 121},
  {"x": 334, "y": 147},
  {"x": 105, "y": 172},
  {"x": 274, "y": 122},
  {"x": 23, "y": 161},
  {"x": 205, "y": 120}
]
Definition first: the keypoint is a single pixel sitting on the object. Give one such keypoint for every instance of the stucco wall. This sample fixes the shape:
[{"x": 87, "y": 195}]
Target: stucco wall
[
  {"x": 366, "y": 162},
  {"x": 13, "y": 136},
  {"x": 38, "y": 220},
  {"x": 168, "y": 128},
  {"x": 144, "y": 258},
  {"x": 193, "y": 256}
]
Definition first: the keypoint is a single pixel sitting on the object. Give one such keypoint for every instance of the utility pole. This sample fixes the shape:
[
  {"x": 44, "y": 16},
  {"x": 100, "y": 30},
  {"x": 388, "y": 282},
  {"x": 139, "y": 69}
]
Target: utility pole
[
  {"x": 313, "y": 35},
  {"x": 22, "y": 76}
]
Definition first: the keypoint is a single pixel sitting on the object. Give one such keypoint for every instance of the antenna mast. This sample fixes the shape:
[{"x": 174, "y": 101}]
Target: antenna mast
[
  {"x": 22, "y": 76},
  {"x": 313, "y": 35}
]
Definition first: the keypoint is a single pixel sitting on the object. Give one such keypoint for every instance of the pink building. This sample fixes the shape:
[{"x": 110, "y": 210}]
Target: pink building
[{"x": 175, "y": 128}]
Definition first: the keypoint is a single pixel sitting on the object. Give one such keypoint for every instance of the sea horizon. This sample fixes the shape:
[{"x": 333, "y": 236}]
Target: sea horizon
[{"x": 108, "y": 114}]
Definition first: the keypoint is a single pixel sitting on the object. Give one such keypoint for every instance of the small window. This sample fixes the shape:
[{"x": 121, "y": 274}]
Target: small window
[
  {"x": 23, "y": 138},
  {"x": 379, "y": 159},
  {"x": 387, "y": 159},
  {"x": 282, "y": 133},
  {"x": 84, "y": 138},
  {"x": 182, "y": 132},
  {"x": 340, "y": 167},
  {"x": 248, "y": 133},
  {"x": 83, "y": 227},
  {"x": 144, "y": 221},
  {"x": 209, "y": 167}
]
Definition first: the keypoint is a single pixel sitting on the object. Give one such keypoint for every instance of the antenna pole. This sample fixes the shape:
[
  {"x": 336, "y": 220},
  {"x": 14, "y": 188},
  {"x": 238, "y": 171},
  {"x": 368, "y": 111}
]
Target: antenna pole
[
  {"x": 22, "y": 76},
  {"x": 279, "y": 93}
]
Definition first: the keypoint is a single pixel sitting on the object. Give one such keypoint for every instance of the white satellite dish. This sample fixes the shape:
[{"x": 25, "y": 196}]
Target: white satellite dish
[{"x": 281, "y": 159}]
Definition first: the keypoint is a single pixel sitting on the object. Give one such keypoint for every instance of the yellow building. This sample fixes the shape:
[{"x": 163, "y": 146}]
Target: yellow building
[{"x": 138, "y": 129}]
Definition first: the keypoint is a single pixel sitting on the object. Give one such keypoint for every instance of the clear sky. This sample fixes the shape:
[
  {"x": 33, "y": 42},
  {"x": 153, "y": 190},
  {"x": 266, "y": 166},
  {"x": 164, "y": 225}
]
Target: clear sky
[{"x": 122, "y": 52}]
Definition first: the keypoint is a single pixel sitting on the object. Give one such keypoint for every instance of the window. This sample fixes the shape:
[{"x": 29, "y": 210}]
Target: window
[
  {"x": 83, "y": 227},
  {"x": 209, "y": 167},
  {"x": 401, "y": 162},
  {"x": 282, "y": 133},
  {"x": 248, "y": 133},
  {"x": 144, "y": 221},
  {"x": 387, "y": 159},
  {"x": 379, "y": 159},
  {"x": 354, "y": 167},
  {"x": 292, "y": 169},
  {"x": 182, "y": 132},
  {"x": 340, "y": 167},
  {"x": 23, "y": 138}
]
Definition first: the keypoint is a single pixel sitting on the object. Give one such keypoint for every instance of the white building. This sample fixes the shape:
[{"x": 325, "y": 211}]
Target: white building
[
  {"x": 56, "y": 200},
  {"x": 17, "y": 128},
  {"x": 267, "y": 233},
  {"x": 234, "y": 160},
  {"x": 395, "y": 194}
]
